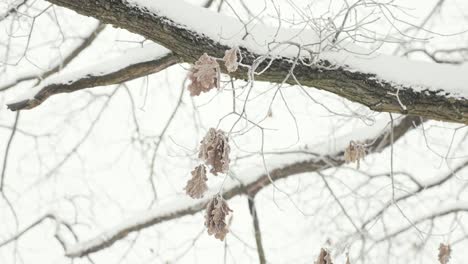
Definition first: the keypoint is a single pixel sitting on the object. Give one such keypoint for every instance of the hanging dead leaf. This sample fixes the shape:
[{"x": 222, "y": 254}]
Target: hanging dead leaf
[
  {"x": 355, "y": 152},
  {"x": 215, "y": 217},
  {"x": 196, "y": 186},
  {"x": 230, "y": 59},
  {"x": 204, "y": 75},
  {"x": 324, "y": 257},
  {"x": 214, "y": 151},
  {"x": 444, "y": 253}
]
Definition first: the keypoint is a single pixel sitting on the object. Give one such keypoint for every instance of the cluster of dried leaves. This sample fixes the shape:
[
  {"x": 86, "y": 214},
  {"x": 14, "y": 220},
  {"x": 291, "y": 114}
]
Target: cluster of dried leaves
[
  {"x": 215, "y": 217},
  {"x": 214, "y": 148},
  {"x": 444, "y": 253},
  {"x": 355, "y": 152},
  {"x": 214, "y": 152},
  {"x": 205, "y": 74}
]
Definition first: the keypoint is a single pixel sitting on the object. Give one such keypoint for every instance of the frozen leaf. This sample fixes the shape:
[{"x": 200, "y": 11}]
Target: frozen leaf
[
  {"x": 444, "y": 253},
  {"x": 215, "y": 217},
  {"x": 214, "y": 151},
  {"x": 196, "y": 186},
  {"x": 355, "y": 152},
  {"x": 204, "y": 75},
  {"x": 324, "y": 257},
  {"x": 230, "y": 59}
]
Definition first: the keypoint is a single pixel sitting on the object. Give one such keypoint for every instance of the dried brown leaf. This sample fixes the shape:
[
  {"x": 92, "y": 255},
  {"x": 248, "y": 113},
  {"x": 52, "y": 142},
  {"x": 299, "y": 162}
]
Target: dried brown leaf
[
  {"x": 215, "y": 217},
  {"x": 355, "y": 152},
  {"x": 444, "y": 253},
  {"x": 230, "y": 59},
  {"x": 196, "y": 186},
  {"x": 204, "y": 75},
  {"x": 214, "y": 151},
  {"x": 324, "y": 257}
]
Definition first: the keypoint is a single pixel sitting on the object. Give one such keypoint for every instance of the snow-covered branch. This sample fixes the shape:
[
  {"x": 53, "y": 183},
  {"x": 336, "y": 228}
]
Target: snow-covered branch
[
  {"x": 133, "y": 64},
  {"x": 430, "y": 90},
  {"x": 249, "y": 181},
  {"x": 59, "y": 64}
]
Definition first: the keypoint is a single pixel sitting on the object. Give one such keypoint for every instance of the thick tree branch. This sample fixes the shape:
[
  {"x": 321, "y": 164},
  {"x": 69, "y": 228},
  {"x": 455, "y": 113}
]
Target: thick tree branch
[
  {"x": 367, "y": 89},
  {"x": 186, "y": 206}
]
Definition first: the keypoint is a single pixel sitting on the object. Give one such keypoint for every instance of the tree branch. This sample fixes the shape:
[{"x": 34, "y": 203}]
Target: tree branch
[
  {"x": 134, "y": 64},
  {"x": 257, "y": 232},
  {"x": 7, "y": 151},
  {"x": 460, "y": 207},
  {"x": 361, "y": 87},
  {"x": 187, "y": 206},
  {"x": 85, "y": 43}
]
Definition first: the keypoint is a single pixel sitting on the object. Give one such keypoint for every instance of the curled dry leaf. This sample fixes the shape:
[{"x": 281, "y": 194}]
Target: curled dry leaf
[
  {"x": 324, "y": 257},
  {"x": 355, "y": 152},
  {"x": 204, "y": 75},
  {"x": 196, "y": 186},
  {"x": 214, "y": 151},
  {"x": 215, "y": 217},
  {"x": 230, "y": 59},
  {"x": 444, "y": 253}
]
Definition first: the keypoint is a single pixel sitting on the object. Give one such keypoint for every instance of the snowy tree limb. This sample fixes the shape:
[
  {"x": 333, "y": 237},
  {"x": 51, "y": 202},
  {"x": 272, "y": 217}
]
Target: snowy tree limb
[
  {"x": 183, "y": 206},
  {"x": 83, "y": 45},
  {"x": 134, "y": 64},
  {"x": 366, "y": 88}
]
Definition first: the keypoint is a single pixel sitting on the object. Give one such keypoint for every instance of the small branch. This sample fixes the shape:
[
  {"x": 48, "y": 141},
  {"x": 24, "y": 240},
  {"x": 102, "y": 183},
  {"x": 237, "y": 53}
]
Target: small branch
[
  {"x": 435, "y": 214},
  {"x": 86, "y": 42},
  {"x": 406, "y": 196},
  {"x": 256, "y": 225},
  {"x": 25, "y": 230},
  {"x": 7, "y": 151},
  {"x": 13, "y": 9},
  {"x": 337, "y": 200}
]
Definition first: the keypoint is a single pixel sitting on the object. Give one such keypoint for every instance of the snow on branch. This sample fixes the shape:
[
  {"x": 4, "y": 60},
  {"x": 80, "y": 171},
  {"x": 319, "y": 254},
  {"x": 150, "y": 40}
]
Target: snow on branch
[
  {"x": 249, "y": 181},
  {"x": 134, "y": 63},
  {"x": 58, "y": 64},
  {"x": 383, "y": 83}
]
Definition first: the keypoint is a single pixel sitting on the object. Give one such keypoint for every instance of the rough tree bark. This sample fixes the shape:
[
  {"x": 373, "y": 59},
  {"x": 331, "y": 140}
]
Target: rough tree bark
[{"x": 355, "y": 86}]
